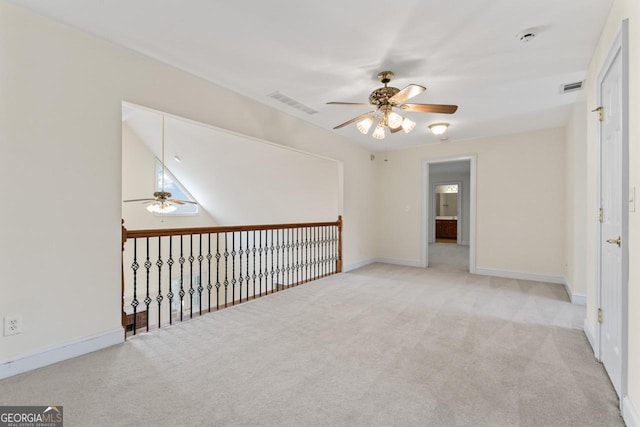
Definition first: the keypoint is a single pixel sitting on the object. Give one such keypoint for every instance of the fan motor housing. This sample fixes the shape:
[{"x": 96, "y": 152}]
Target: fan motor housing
[
  {"x": 380, "y": 96},
  {"x": 162, "y": 195}
]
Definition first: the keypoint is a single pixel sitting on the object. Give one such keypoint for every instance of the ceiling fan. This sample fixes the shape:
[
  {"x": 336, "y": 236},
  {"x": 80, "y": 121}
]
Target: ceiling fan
[
  {"x": 384, "y": 100},
  {"x": 161, "y": 201}
]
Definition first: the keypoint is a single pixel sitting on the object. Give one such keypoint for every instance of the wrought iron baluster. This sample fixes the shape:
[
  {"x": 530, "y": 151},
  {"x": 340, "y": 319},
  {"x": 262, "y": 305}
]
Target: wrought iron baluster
[
  {"x": 327, "y": 242},
  {"x": 315, "y": 252},
  {"x": 233, "y": 268},
  {"x": 306, "y": 254},
  {"x": 217, "y": 271},
  {"x": 260, "y": 263},
  {"x": 272, "y": 270},
  {"x": 318, "y": 252},
  {"x": 253, "y": 252},
  {"x": 289, "y": 233},
  {"x": 135, "y": 266},
  {"x": 226, "y": 269},
  {"x": 324, "y": 251},
  {"x": 266, "y": 261},
  {"x": 170, "y": 294},
  {"x": 247, "y": 253},
  {"x": 147, "y": 299},
  {"x": 200, "y": 288},
  {"x": 159, "y": 263},
  {"x": 191, "y": 290},
  {"x": 209, "y": 257},
  {"x": 311, "y": 253},
  {"x": 297, "y": 256},
  {"x": 334, "y": 246},
  {"x": 181, "y": 261},
  {"x": 277, "y": 262},
  {"x": 322, "y": 254},
  {"x": 240, "y": 278}
]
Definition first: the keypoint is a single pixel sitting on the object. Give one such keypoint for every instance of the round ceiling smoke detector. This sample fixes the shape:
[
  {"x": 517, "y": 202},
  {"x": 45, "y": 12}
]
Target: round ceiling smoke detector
[{"x": 526, "y": 36}]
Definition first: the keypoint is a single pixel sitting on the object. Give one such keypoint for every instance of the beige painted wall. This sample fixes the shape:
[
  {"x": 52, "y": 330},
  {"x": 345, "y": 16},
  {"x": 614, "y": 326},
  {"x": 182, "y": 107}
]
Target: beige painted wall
[
  {"x": 576, "y": 190},
  {"x": 520, "y": 208},
  {"x": 60, "y": 127},
  {"x": 621, "y": 9}
]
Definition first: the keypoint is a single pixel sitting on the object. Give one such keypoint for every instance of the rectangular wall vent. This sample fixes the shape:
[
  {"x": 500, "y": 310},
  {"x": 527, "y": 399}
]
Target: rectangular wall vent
[
  {"x": 571, "y": 87},
  {"x": 291, "y": 102}
]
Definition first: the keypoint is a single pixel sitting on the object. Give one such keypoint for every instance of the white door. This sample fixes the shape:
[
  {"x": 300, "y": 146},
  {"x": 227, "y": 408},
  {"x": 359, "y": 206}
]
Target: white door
[{"x": 611, "y": 226}]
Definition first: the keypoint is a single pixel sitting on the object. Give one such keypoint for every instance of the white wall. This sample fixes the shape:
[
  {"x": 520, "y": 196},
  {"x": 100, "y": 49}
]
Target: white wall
[
  {"x": 520, "y": 193},
  {"x": 60, "y": 127},
  {"x": 621, "y": 9}
]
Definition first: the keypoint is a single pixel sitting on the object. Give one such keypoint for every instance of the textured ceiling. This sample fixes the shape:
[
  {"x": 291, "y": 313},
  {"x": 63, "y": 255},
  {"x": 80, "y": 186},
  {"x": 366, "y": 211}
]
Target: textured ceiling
[{"x": 465, "y": 52}]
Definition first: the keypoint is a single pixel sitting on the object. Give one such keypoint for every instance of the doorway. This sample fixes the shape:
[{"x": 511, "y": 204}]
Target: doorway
[
  {"x": 613, "y": 249},
  {"x": 454, "y": 224},
  {"x": 446, "y": 211}
]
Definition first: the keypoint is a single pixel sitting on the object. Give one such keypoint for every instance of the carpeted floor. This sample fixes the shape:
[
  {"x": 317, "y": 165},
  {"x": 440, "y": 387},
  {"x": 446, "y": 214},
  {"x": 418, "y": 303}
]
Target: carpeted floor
[
  {"x": 380, "y": 346},
  {"x": 449, "y": 256}
]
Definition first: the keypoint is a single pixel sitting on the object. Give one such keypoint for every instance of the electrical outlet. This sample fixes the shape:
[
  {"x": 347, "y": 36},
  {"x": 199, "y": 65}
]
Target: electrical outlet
[{"x": 12, "y": 325}]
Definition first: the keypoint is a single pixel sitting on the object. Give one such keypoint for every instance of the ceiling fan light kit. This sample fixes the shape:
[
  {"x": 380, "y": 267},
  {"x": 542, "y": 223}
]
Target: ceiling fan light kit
[
  {"x": 364, "y": 125},
  {"x": 384, "y": 99},
  {"x": 161, "y": 207},
  {"x": 379, "y": 132}
]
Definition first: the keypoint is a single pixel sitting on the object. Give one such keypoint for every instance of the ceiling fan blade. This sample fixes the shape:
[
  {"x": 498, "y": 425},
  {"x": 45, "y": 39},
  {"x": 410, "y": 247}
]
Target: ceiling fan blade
[
  {"x": 394, "y": 130},
  {"x": 406, "y": 93},
  {"x": 352, "y": 103},
  {"x": 355, "y": 119},
  {"x": 138, "y": 200},
  {"x": 181, "y": 202},
  {"x": 429, "y": 108}
]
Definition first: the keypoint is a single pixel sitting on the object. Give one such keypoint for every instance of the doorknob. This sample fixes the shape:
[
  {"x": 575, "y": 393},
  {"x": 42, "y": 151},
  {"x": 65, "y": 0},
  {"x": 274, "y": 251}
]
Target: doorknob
[{"x": 614, "y": 241}]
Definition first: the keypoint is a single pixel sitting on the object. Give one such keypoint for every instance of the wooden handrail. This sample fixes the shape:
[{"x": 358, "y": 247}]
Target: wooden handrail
[{"x": 222, "y": 229}]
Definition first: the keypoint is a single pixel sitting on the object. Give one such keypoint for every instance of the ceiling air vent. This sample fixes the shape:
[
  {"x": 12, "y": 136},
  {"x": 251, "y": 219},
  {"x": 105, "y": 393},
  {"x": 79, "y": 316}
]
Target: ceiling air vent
[
  {"x": 571, "y": 87},
  {"x": 291, "y": 102}
]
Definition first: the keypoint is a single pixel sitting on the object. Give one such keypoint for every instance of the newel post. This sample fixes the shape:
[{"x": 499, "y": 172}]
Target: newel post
[
  {"x": 339, "y": 260},
  {"x": 124, "y": 316}
]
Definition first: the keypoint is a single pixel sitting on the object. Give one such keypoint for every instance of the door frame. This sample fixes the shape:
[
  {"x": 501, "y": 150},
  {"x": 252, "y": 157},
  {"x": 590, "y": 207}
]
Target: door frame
[
  {"x": 619, "y": 46},
  {"x": 426, "y": 203},
  {"x": 432, "y": 218}
]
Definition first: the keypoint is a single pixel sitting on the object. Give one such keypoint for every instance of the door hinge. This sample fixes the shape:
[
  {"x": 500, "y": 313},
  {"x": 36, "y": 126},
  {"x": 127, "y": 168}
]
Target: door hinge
[
  {"x": 599, "y": 315},
  {"x": 600, "y": 111},
  {"x": 600, "y": 215}
]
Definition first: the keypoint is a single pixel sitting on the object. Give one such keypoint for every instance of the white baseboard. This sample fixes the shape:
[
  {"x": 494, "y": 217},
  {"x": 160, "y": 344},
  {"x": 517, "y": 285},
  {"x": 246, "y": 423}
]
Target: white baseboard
[
  {"x": 58, "y": 353},
  {"x": 575, "y": 297},
  {"x": 590, "y": 333},
  {"x": 630, "y": 415},
  {"x": 520, "y": 275},
  {"x": 405, "y": 262},
  {"x": 357, "y": 265},
  {"x": 578, "y": 299}
]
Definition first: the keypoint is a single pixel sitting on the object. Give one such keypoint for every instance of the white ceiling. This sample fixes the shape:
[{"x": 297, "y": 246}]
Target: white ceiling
[{"x": 465, "y": 52}]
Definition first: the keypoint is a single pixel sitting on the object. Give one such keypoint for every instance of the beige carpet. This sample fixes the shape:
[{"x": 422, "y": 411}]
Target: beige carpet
[{"x": 381, "y": 346}]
